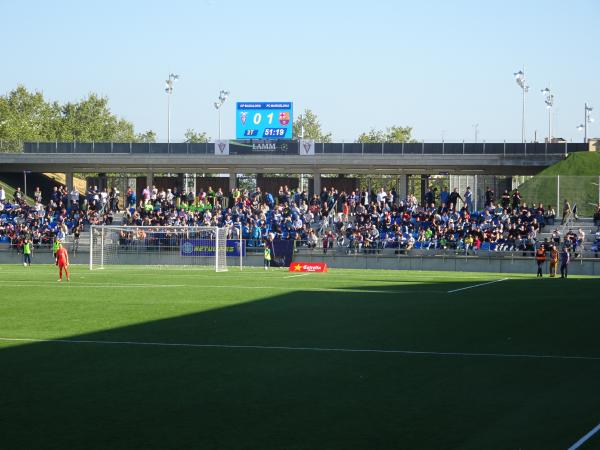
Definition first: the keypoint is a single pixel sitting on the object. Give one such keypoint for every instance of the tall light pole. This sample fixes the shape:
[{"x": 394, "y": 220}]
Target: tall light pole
[
  {"x": 222, "y": 97},
  {"x": 587, "y": 118},
  {"x": 520, "y": 79},
  {"x": 169, "y": 90},
  {"x": 549, "y": 100}
]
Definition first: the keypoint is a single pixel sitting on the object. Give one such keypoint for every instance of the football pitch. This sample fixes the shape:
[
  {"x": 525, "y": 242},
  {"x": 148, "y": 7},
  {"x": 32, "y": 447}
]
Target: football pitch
[{"x": 158, "y": 357}]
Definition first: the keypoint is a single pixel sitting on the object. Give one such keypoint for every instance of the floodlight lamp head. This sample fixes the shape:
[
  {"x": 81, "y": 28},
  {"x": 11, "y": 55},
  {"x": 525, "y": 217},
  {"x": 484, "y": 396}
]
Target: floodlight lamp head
[
  {"x": 217, "y": 105},
  {"x": 580, "y": 127}
]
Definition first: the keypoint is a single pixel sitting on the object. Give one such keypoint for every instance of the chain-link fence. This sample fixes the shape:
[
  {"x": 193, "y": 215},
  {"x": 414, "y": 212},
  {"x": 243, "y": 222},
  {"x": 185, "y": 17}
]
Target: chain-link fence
[{"x": 579, "y": 193}]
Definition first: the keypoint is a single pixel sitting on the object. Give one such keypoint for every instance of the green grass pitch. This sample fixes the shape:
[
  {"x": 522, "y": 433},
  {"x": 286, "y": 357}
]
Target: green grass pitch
[{"x": 270, "y": 360}]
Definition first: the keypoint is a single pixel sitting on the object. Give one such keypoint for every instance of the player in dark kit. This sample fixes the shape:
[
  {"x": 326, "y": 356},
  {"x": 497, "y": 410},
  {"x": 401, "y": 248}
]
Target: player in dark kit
[{"x": 62, "y": 261}]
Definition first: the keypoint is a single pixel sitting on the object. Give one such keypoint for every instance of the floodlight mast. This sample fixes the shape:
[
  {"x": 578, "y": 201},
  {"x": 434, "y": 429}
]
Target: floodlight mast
[
  {"x": 169, "y": 90},
  {"x": 549, "y": 101},
  {"x": 218, "y": 104},
  {"x": 587, "y": 118},
  {"x": 520, "y": 79}
]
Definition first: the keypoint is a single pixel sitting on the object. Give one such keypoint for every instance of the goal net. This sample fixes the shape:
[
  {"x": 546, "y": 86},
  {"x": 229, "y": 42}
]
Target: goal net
[{"x": 168, "y": 245}]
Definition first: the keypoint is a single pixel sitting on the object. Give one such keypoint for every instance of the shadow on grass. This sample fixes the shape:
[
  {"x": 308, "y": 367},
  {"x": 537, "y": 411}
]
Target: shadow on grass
[{"x": 69, "y": 396}]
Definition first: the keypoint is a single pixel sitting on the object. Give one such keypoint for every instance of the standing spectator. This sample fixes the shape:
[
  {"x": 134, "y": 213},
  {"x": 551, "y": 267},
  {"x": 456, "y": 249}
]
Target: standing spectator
[
  {"x": 505, "y": 199},
  {"x": 146, "y": 195},
  {"x": 114, "y": 199},
  {"x": 516, "y": 199},
  {"x": 18, "y": 195},
  {"x": 2, "y": 195},
  {"x": 540, "y": 259},
  {"x": 490, "y": 196},
  {"x": 469, "y": 199},
  {"x": 103, "y": 199},
  {"x": 565, "y": 258},
  {"x": 429, "y": 198},
  {"x": 55, "y": 196},
  {"x": 444, "y": 196},
  {"x": 381, "y": 197},
  {"x": 566, "y": 215},
  {"x": 553, "y": 261},
  {"x": 131, "y": 198},
  {"x": 74, "y": 197},
  {"x": 37, "y": 195},
  {"x": 453, "y": 199}
]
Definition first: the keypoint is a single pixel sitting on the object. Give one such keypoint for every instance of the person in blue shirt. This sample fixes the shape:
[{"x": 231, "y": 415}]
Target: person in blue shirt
[{"x": 565, "y": 259}]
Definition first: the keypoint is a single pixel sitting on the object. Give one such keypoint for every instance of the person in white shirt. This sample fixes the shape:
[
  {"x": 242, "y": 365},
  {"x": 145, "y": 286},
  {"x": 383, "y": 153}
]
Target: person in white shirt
[
  {"x": 74, "y": 196},
  {"x": 2, "y": 195},
  {"x": 381, "y": 197}
]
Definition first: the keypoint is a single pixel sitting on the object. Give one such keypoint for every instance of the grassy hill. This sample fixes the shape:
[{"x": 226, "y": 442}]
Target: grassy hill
[
  {"x": 579, "y": 180},
  {"x": 46, "y": 181}
]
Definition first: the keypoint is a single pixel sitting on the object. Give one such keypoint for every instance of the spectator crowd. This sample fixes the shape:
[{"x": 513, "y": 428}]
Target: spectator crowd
[{"x": 359, "y": 221}]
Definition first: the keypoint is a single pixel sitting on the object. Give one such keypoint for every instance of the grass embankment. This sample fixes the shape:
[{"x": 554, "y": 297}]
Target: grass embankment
[{"x": 579, "y": 179}]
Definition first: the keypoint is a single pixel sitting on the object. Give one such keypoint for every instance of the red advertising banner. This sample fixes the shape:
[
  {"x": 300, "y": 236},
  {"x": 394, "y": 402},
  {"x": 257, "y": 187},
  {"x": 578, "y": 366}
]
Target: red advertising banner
[{"x": 308, "y": 267}]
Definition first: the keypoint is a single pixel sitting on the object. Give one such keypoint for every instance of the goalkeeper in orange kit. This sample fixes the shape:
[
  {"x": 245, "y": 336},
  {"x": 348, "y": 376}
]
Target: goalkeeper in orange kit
[{"x": 62, "y": 261}]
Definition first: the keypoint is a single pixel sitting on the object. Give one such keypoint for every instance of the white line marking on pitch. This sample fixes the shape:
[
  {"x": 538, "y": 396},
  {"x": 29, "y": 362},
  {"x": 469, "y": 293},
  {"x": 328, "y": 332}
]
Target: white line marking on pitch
[
  {"x": 306, "y": 349},
  {"x": 297, "y": 275},
  {"x": 580, "y": 442},
  {"x": 477, "y": 285}
]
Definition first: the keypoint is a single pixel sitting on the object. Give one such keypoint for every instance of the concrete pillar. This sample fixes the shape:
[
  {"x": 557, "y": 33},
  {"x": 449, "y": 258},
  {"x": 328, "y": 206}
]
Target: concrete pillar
[
  {"x": 424, "y": 183},
  {"x": 149, "y": 180},
  {"x": 316, "y": 182},
  {"x": 232, "y": 181},
  {"x": 402, "y": 188},
  {"x": 69, "y": 181}
]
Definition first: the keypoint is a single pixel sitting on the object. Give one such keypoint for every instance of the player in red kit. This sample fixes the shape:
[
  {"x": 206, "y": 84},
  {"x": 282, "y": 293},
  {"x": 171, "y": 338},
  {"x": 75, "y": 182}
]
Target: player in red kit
[{"x": 62, "y": 261}]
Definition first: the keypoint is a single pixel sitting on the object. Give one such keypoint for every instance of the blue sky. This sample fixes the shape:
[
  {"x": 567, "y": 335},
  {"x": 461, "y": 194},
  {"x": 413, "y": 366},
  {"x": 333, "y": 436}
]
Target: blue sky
[{"x": 438, "y": 66}]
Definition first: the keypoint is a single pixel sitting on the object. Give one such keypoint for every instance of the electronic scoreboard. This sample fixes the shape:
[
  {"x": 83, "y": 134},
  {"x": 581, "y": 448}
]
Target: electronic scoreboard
[{"x": 263, "y": 120}]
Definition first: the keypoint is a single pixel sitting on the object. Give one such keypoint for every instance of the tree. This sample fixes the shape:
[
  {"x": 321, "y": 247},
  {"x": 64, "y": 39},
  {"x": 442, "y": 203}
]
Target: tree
[
  {"x": 391, "y": 135},
  {"x": 192, "y": 137},
  {"x": 147, "y": 137},
  {"x": 91, "y": 120},
  {"x": 312, "y": 127},
  {"x": 27, "y": 116}
]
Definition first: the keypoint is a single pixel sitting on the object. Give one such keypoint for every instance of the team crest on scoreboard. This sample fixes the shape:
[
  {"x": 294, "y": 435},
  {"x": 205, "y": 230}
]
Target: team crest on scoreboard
[
  {"x": 243, "y": 116},
  {"x": 284, "y": 118}
]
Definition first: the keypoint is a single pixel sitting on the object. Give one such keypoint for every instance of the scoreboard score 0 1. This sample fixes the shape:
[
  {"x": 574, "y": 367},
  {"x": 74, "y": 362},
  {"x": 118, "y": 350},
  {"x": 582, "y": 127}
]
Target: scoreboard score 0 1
[{"x": 263, "y": 120}]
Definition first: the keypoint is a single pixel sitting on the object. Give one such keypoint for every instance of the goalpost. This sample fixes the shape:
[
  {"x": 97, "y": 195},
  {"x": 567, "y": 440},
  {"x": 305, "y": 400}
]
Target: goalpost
[{"x": 162, "y": 245}]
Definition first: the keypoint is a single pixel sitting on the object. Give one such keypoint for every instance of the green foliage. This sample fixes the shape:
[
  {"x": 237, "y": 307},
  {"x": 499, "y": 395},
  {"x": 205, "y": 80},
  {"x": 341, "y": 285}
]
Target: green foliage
[
  {"x": 579, "y": 179},
  {"x": 391, "y": 135},
  {"x": 27, "y": 116},
  {"x": 147, "y": 137},
  {"x": 312, "y": 127},
  {"x": 193, "y": 137}
]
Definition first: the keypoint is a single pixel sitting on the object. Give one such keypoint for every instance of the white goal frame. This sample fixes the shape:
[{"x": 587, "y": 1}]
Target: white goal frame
[{"x": 194, "y": 246}]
